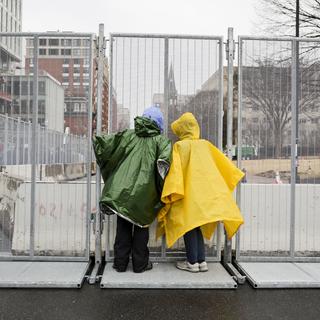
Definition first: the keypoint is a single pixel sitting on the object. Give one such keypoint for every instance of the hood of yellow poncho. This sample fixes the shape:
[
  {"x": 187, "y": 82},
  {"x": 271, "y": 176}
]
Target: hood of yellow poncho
[{"x": 186, "y": 127}]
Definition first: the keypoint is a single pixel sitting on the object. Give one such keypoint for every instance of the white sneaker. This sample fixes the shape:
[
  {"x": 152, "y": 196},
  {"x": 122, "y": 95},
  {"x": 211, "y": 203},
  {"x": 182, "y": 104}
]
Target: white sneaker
[
  {"x": 186, "y": 266},
  {"x": 203, "y": 266}
]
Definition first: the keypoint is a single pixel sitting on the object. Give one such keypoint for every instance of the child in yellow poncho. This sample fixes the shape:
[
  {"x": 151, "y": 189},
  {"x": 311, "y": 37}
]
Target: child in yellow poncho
[{"x": 197, "y": 193}]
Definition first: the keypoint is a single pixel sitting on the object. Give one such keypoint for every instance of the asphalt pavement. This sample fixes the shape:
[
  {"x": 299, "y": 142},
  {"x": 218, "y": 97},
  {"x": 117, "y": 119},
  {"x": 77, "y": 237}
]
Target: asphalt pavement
[{"x": 92, "y": 303}]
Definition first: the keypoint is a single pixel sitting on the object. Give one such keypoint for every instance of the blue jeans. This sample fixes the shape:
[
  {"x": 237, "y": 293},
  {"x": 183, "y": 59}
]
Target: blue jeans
[{"x": 194, "y": 244}]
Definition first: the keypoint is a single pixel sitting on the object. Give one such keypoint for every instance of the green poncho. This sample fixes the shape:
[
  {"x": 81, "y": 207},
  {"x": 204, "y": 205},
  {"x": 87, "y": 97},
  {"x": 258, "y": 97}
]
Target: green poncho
[{"x": 131, "y": 163}]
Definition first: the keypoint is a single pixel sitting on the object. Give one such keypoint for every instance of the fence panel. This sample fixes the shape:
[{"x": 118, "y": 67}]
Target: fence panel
[
  {"x": 45, "y": 153},
  {"x": 307, "y": 220},
  {"x": 176, "y": 73},
  {"x": 279, "y": 195},
  {"x": 264, "y": 139}
]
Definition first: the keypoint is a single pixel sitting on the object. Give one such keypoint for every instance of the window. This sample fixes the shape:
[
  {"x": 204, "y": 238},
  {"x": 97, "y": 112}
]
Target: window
[
  {"x": 42, "y": 42},
  {"x": 65, "y": 79},
  {"x": 42, "y": 88},
  {"x": 53, "y": 42},
  {"x": 76, "y": 42},
  {"x": 24, "y": 107},
  {"x": 86, "y": 42},
  {"x": 66, "y": 61},
  {"x": 66, "y": 42},
  {"x": 76, "y": 70},
  {"x": 83, "y": 107},
  {"x": 76, "y": 79},
  {"x": 24, "y": 88},
  {"x": 41, "y": 107},
  {"x": 42, "y": 52},
  {"x": 66, "y": 52},
  {"x": 76, "y": 52},
  {"x": 76, "y": 107},
  {"x": 53, "y": 52},
  {"x": 16, "y": 88},
  {"x": 85, "y": 52},
  {"x": 65, "y": 70},
  {"x": 76, "y": 61}
]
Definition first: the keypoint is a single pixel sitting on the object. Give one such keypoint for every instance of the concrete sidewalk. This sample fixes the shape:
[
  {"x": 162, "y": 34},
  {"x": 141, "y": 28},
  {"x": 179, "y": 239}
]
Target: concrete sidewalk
[{"x": 93, "y": 303}]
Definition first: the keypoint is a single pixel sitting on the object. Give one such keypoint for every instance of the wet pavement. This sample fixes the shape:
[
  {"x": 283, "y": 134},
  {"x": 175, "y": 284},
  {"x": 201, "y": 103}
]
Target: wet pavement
[{"x": 91, "y": 302}]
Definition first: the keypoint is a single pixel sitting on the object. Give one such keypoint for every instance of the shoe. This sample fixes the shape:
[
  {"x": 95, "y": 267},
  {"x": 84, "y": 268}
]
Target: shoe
[
  {"x": 148, "y": 267},
  {"x": 186, "y": 266},
  {"x": 119, "y": 269},
  {"x": 203, "y": 266}
]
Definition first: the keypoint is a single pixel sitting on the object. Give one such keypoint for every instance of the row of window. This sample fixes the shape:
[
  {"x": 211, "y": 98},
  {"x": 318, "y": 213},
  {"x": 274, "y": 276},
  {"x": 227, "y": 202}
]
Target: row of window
[
  {"x": 24, "y": 107},
  {"x": 23, "y": 88},
  {"x": 69, "y": 62},
  {"x": 62, "y": 52},
  {"x": 75, "y": 107},
  {"x": 54, "y": 42},
  {"x": 76, "y": 70}
]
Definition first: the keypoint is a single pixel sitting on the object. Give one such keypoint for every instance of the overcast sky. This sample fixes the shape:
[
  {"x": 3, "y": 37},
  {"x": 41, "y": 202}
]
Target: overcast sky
[{"x": 146, "y": 16}]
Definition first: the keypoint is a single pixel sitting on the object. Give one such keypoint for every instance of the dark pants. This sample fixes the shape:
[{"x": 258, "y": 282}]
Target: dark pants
[
  {"x": 131, "y": 239},
  {"x": 194, "y": 244}
]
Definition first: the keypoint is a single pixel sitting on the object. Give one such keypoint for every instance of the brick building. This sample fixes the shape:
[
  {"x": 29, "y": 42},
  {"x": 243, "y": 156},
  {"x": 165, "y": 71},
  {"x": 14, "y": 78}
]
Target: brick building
[{"x": 67, "y": 59}]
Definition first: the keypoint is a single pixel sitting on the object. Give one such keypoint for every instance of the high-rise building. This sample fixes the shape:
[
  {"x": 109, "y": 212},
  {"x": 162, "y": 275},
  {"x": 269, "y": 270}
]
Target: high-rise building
[
  {"x": 10, "y": 21},
  {"x": 10, "y": 47}
]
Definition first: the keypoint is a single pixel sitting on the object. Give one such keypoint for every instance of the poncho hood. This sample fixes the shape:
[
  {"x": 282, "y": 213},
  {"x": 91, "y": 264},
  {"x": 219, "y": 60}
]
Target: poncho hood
[
  {"x": 186, "y": 127},
  {"x": 145, "y": 127}
]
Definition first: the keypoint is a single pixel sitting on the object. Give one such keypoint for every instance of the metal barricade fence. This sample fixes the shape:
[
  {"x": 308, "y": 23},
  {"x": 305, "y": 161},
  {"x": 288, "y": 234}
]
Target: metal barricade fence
[
  {"x": 178, "y": 74},
  {"x": 46, "y": 86},
  {"x": 278, "y": 147}
]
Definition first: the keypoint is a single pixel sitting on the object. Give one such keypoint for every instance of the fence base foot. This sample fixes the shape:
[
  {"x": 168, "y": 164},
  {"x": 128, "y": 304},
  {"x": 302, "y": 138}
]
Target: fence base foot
[
  {"x": 237, "y": 276},
  {"x": 94, "y": 276}
]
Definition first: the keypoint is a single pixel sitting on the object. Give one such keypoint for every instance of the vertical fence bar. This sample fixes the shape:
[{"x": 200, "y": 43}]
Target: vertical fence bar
[
  {"x": 89, "y": 150},
  {"x": 220, "y": 131},
  {"x": 230, "y": 56},
  {"x": 110, "y": 114},
  {"x": 6, "y": 140},
  {"x": 166, "y": 105},
  {"x": 34, "y": 143},
  {"x": 239, "y": 142},
  {"x": 18, "y": 141},
  {"x": 101, "y": 46},
  {"x": 294, "y": 145},
  {"x": 220, "y": 111}
]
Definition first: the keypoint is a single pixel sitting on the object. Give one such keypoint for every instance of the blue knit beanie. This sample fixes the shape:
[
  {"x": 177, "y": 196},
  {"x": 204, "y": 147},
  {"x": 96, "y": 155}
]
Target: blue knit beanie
[{"x": 154, "y": 114}]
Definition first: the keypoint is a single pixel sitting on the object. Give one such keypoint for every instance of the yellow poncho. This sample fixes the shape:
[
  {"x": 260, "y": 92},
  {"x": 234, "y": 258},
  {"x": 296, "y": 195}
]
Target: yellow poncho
[{"x": 198, "y": 188}]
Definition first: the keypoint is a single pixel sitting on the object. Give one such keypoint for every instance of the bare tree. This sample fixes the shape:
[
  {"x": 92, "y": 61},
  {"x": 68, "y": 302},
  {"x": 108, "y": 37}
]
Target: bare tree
[
  {"x": 278, "y": 16},
  {"x": 267, "y": 90}
]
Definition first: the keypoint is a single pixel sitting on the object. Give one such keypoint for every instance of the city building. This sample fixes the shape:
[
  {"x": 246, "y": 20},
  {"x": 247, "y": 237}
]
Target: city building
[
  {"x": 10, "y": 21},
  {"x": 19, "y": 90},
  {"x": 10, "y": 47},
  {"x": 67, "y": 59}
]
